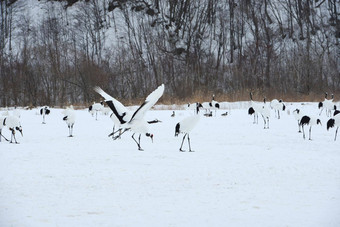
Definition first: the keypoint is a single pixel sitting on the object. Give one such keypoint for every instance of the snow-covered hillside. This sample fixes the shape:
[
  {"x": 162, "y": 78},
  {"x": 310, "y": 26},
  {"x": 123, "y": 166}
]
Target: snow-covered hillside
[{"x": 239, "y": 174}]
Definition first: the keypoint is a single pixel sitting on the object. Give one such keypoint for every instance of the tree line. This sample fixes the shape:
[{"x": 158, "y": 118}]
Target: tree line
[{"x": 128, "y": 47}]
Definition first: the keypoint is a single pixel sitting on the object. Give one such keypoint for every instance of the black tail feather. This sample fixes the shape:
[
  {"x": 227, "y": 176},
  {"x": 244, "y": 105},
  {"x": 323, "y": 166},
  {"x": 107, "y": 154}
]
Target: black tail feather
[
  {"x": 304, "y": 120},
  {"x": 330, "y": 123},
  {"x": 177, "y": 129},
  {"x": 251, "y": 111}
]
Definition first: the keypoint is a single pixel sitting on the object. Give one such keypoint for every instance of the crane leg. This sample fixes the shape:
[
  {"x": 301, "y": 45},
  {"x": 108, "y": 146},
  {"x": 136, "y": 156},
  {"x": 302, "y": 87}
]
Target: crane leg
[
  {"x": 113, "y": 132},
  {"x": 299, "y": 126},
  {"x": 116, "y": 137},
  {"x": 320, "y": 111},
  {"x": 138, "y": 143},
  {"x": 336, "y": 132},
  {"x": 180, "y": 149},
  {"x": 268, "y": 122},
  {"x": 189, "y": 144},
  {"x": 71, "y": 131},
  {"x": 13, "y": 136},
  {"x": 303, "y": 130},
  {"x": 3, "y": 136}
]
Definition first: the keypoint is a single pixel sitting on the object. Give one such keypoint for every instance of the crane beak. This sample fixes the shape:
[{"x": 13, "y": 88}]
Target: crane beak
[
  {"x": 21, "y": 133},
  {"x": 151, "y": 136}
]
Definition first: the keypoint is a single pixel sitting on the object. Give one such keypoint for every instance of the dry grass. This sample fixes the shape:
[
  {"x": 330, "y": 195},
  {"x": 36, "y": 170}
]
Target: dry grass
[
  {"x": 201, "y": 96},
  {"x": 257, "y": 95}
]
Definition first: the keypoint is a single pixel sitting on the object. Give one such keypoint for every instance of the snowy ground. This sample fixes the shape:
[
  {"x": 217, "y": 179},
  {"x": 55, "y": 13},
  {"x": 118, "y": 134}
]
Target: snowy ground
[{"x": 239, "y": 174}]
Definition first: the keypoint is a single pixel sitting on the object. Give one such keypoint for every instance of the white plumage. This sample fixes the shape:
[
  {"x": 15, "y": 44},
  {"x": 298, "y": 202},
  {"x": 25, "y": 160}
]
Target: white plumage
[
  {"x": 2, "y": 125},
  {"x": 13, "y": 124},
  {"x": 116, "y": 124},
  {"x": 330, "y": 106},
  {"x": 265, "y": 112},
  {"x": 193, "y": 106},
  {"x": 308, "y": 120},
  {"x": 278, "y": 106},
  {"x": 214, "y": 104},
  {"x": 136, "y": 123},
  {"x": 186, "y": 125},
  {"x": 120, "y": 109},
  {"x": 327, "y": 104},
  {"x": 95, "y": 108},
  {"x": 335, "y": 121},
  {"x": 205, "y": 105},
  {"x": 298, "y": 115},
  {"x": 259, "y": 108},
  {"x": 70, "y": 119},
  {"x": 44, "y": 111},
  {"x": 255, "y": 108}
]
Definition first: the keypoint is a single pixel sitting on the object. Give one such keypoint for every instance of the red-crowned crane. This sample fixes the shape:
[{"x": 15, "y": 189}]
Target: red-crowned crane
[
  {"x": 265, "y": 112},
  {"x": 327, "y": 104},
  {"x": 136, "y": 122},
  {"x": 298, "y": 115},
  {"x": 335, "y": 121},
  {"x": 2, "y": 125},
  {"x": 95, "y": 108},
  {"x": 186, "y": 125},
  {"x": 255, "y": 108},
  {"x": 259, "y": 108},
  {"x": 214, "y": 105},
  {"x": 44, "y": 111},
  {"x": 13, "y": 124},
  {"x": 278, "y": 106},
  {"x": 307, "y": 120},
  {"x": 70, "y": 119}
]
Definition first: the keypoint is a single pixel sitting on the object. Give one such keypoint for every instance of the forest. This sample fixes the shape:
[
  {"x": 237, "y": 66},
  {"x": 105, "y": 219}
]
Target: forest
[{"x": 53, "y": 52}]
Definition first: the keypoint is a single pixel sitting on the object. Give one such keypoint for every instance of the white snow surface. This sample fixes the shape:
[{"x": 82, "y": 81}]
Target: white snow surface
[{"x": 239, "y": 175}]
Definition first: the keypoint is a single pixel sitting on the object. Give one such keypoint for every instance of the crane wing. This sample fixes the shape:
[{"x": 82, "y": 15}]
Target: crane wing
[
  {"x": 117, "y": 107},
  {"x": 148, "y": 103}
]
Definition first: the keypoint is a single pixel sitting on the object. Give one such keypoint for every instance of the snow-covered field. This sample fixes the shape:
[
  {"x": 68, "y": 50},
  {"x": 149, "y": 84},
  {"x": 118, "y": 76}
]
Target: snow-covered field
[{"x": 239, "y": 174}]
